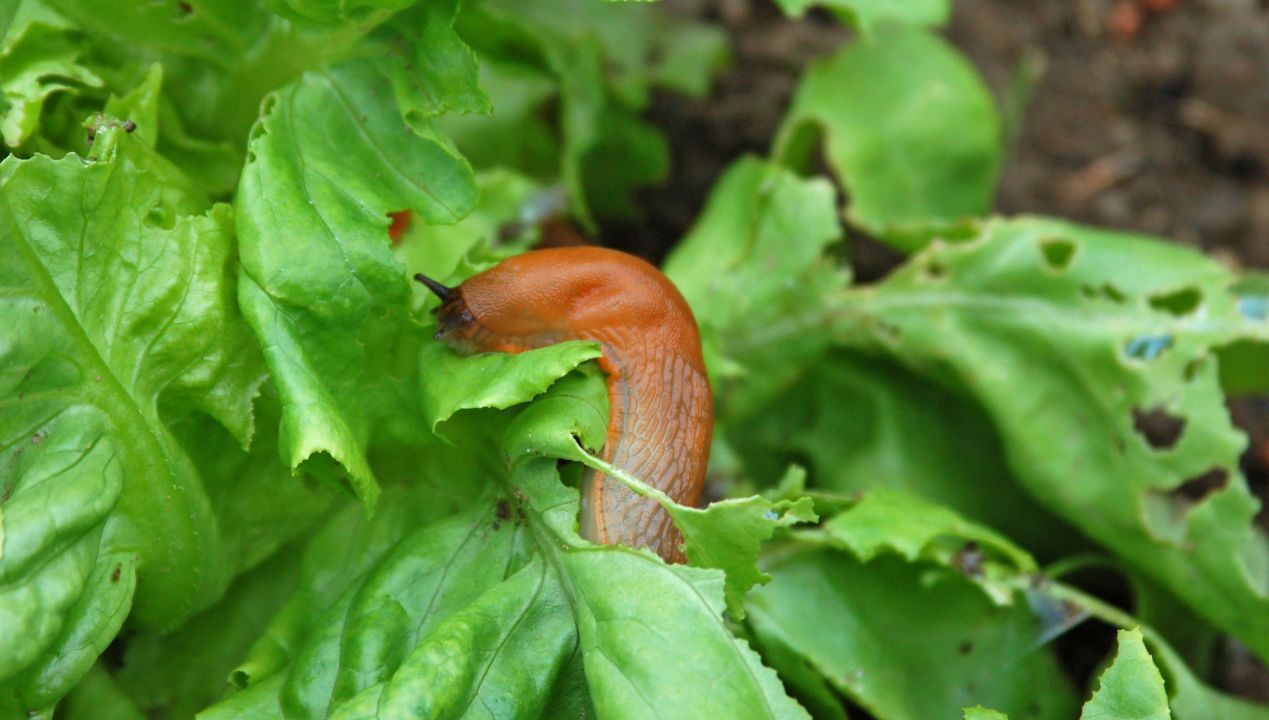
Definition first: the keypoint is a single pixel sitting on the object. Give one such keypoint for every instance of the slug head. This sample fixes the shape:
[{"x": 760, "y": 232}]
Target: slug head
[
  {"x": 546, "y": 296},
  {"x": 455, "y": 325}
]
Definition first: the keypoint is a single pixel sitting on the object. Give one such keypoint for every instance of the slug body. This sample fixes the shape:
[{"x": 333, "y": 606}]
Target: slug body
[{"x": 662, "y": 411}]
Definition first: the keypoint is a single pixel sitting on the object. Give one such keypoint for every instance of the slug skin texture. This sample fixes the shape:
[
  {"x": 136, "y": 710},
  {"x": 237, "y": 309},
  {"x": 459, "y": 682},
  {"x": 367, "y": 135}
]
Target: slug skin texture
[{"x": 662, "y": 411}]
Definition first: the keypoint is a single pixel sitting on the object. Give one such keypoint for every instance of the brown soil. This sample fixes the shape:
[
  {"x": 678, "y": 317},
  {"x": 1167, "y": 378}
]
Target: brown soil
[
  {"x": 1162, "y": 130},
  {"x": 1143, "y": 120}
]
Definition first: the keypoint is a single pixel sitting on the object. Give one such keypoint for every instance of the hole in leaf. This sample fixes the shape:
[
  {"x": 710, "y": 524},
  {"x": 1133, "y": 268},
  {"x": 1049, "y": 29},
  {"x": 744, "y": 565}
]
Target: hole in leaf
[
  {"x": 1104, "y": 292},
  {"x": 1179, "y": 303},
  {"x": 1192, "y": 368},
  {"x": 1147, "y": 347},
  {"x": 239, "y": 679},
  {"x": 1159, "y": 427},
  {"x": 890, "y": 332},
  {"x": 159, "y": 217},
  {"x": 1057, "y": 253},
  {"x": 1254, "y": 307},
  {"x": 1200, "y": 486},
  {"x": 400, "y": 223},
  {"x": 969, "y": 560}
]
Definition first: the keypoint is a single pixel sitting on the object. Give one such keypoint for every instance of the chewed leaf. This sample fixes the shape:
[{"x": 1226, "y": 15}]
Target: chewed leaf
[
  {"x": 450, "y": 383},
  {"x": 1131, "y": 688},
  {"x": 1104, "y": 388},
  {"x": 871, "y": 629},
  {"x": 885, "y": 521},
  {"x": 909, "y": 128},
  {"x": 729, "y": 534}
]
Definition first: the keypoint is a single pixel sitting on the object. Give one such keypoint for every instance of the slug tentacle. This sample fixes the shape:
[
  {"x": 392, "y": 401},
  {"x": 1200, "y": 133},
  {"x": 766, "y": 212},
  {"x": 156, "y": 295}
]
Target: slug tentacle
[
  {"x": 662, "y": 415},
  {"x": 438, "y": 289}
]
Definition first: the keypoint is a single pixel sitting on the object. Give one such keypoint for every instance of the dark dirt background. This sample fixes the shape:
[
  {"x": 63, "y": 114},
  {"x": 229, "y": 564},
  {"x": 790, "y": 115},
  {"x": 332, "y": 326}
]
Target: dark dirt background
[{"x": 1145, "y": 115}]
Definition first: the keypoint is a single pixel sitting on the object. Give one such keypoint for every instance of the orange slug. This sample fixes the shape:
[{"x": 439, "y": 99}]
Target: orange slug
[{"x": 661, "y": 409}]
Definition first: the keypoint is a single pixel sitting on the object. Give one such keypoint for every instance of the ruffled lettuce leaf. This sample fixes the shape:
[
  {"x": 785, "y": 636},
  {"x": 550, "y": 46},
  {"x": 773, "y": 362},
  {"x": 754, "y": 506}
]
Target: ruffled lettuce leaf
[
  {"x": 121, "y": 317},
  {"x": 317, "y": 267},
  {"x": 498, "y": 604}
]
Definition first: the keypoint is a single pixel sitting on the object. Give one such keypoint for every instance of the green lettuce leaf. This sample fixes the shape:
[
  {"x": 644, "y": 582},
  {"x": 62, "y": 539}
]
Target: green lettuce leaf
[
  {"x": 902, "y": 432},
  {"x": 842, "y": 621},
  {"x": 110, "y": 339},
  {"x": 909, "y": 128},
  {"x": 493, "y": 605},
  {"x": 1131, "y": 688},
  {"x": 97, "y": 697},
  {"x": 904, "y": 646},
  {"x": 315, "y": 257},
  {"x": 881, "y": 520},
  {"x": 180, "y": 673},
  {"x": 432, "y": 70},
  {"x": 1072, "y": 359},
  {"x": 752, "y": 268}
]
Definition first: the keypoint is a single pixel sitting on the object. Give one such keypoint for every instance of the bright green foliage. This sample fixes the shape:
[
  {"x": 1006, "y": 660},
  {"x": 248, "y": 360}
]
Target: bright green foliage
[
  {"x": 450, "y": 383},
  {"x": 1131, "y": 688},
  {"x": 315, "y": 265},
  {"x": 464, "y": 610},
  {"x": 908, "y": 126},
  {"x": 753, "y": 268},
  {"x": 231, "y": 448},
  {"x": 104, "y": 340}
]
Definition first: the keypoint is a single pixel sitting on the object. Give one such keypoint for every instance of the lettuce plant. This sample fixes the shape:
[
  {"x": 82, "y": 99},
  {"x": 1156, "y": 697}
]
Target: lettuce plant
[{"x": 238, "y": 478}]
